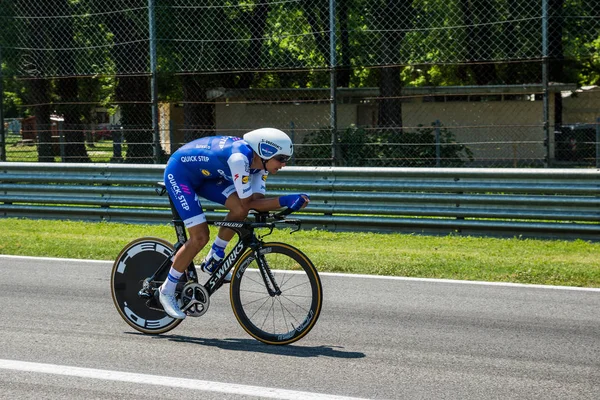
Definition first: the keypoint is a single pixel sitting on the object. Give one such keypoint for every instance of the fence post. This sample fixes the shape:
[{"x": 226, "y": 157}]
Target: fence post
[
  {"x": 545, "y": 94},
  {"x": 333, "y": 85},
  {"x": 60, "y": 126},
  {"x": 117, "y": 138},
  {"x": 438, "y": 149},
  {"x": 171, "y": 137},
  {"x": 2, "y": 131},
  {"x": 598, "y": 142},
  {"x": 293, "y": 135},
  {"x": 153, "y": 84}
]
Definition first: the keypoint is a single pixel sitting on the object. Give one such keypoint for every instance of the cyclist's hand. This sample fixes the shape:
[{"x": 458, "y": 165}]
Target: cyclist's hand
[{"x": 294, "y": 201}]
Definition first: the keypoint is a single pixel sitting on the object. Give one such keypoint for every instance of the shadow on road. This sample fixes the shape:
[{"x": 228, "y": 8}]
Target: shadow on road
[{"x": 255, "y": 346}]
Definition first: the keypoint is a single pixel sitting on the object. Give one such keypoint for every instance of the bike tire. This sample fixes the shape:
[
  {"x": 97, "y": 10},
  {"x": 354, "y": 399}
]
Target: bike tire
[
  {"x": 280, "y": 319},
  {"x": 136, "y": 262}
]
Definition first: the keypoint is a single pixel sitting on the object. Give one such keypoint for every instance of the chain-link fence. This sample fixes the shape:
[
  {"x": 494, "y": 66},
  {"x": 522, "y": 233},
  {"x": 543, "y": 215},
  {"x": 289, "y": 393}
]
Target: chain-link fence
[{"x": 498, "y": 83}]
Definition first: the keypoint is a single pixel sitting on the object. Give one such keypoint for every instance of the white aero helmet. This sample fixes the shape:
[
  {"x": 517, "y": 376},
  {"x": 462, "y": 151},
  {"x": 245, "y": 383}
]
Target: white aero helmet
[{"x": 269, "y": 143}]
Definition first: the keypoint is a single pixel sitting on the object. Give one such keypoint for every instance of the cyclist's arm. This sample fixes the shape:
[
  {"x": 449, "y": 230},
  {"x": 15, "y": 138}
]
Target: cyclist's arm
[
  {"x": 258, "y": 201},
  {"x": 258, "y": 181},
  {"x": 240, "y": 173}
]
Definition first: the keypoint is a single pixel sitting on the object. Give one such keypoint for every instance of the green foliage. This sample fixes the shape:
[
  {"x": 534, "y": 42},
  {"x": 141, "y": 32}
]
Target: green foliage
[
  {"x": 361, "y": 147},
  {"x": 440, "y": 43},
  {"x": 550, "y": 262}
]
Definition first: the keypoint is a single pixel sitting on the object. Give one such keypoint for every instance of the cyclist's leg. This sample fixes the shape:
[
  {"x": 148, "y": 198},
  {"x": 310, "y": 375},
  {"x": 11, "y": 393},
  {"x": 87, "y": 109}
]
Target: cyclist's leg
[
  {"x": 184, "y": 194},
  {"x": 185, "y": 200},
  {"x": 223, "y": 192}
]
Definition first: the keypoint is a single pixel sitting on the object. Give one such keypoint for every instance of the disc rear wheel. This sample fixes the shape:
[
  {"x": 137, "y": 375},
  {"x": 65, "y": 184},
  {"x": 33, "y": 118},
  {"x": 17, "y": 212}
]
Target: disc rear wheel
[{"x": 137, "y": 262}]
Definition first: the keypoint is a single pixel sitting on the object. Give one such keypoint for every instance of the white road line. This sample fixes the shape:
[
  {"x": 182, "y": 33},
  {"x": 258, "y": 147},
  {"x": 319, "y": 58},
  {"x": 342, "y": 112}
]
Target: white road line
[
  {"x": 56, "y": 259},
  {"x": 437, "y": 280},
  {"x": 361, "y": 276},
  {"x": 191, "y": 384}
]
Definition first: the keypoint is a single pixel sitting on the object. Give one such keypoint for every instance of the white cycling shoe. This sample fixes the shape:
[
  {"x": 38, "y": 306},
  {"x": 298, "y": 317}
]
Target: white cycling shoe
[{"x": 170, "y": 305}]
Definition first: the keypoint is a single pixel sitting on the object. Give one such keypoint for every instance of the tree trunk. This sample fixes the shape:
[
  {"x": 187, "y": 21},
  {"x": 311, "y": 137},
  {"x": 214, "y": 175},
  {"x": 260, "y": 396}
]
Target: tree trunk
[
  {"x": 133, "y": 92},
  {"x": 133, "y": 87},
  {"x": 198, "y": 112},
  {"x": 319, "y": 24},
  {"x": 40, "y": 98},
  {"x": 390, "y": 105},
  {"x": 39, "y": 86},
  {"x": 257, "y": 25},
  {"x": 556, "y": 55},
  {"x": 344, "y": 71},
  {"x": 395, "y": 18},
  {"x": 479, "y": 40},
  {"x": 67, "y": 87},
  {"x": 74, "y": 137}
]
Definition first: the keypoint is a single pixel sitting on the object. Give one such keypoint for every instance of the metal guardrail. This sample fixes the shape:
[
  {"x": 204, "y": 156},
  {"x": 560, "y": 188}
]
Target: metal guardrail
[{"x": 552, "y": 203}]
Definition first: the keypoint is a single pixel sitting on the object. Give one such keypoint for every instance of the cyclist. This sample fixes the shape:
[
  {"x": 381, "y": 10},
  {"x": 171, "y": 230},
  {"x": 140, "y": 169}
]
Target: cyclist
[{"x": 230, "y": 171}]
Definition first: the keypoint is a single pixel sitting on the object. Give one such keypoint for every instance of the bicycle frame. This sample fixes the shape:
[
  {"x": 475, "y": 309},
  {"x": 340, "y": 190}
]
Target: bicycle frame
[{"x": 247, "y": 240}]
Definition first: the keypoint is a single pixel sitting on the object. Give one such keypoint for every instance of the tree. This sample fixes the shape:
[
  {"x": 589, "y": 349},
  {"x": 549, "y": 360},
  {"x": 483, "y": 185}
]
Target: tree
[
  {"x": 213, "y": 58},
  {"x": 33, "y": 64},
  {"x": 198, "y": 48},
  {"x": 477, "y": 17},
  {"x": 256, "y": 24},
  {"x": 394, "y": 19},
  {"x": 131, "y": 58},
  {"x": 67, "y": 86}
]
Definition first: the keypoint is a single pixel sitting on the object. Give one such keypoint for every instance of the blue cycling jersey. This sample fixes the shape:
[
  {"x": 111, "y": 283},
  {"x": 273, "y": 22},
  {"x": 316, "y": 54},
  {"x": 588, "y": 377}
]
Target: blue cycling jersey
[
  {"x": 209, "y": 155},
  {"x": 213, "y": 168}
]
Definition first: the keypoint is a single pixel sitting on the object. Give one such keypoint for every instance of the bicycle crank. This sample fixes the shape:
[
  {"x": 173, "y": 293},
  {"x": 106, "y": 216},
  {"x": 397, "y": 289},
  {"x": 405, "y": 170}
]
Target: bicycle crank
[{"x": 195, "y": 299}]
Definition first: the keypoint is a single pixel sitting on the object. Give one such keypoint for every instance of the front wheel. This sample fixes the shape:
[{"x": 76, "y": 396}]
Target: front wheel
[
  {"x": 276, "y": 318},
  {"x": 137, "y": 262}
]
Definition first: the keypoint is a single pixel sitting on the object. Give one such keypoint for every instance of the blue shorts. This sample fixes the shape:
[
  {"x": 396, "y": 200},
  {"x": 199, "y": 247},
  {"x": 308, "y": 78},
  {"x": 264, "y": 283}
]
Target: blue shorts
[{"x": 185, "y": 190}]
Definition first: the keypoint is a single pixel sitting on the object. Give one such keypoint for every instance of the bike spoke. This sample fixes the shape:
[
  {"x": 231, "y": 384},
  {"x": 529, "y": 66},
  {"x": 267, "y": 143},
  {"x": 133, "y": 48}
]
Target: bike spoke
[
  {"x": 267, "y": 315},
  {"x": 282, "y": 312},
  {"x": 293, "y": 287},
  {"x": 278, "y": 318},
  {"x": 259, "y": 308}
]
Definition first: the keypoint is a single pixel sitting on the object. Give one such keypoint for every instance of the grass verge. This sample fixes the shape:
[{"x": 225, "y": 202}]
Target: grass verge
[{"x": 550, "y": 262}]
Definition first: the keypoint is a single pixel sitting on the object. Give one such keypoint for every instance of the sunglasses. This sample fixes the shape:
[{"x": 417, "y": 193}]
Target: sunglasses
[{"x": 282, "y": 158}]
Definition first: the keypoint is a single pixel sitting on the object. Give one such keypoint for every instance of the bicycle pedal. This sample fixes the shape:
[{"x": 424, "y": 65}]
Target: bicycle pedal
[{"x": 154, "y": 304}]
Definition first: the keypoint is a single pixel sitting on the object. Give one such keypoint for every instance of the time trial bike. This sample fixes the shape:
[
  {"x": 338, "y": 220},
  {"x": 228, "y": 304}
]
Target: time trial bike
[{"x": 275, "y": 290}]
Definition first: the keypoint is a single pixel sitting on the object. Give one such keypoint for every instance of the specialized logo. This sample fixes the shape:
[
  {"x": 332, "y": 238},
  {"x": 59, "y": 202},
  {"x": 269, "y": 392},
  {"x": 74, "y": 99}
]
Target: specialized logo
[
  {"x": 229, "y": 224},
  {"x": 245, "y": 179},
  {"x": 268, "y": 149},
  {"x": 177, "y": 192},
  {"x": 230, "y": 258},
  {"x": 236, "y": 176},
  {"x": 205, "y": 172},
  {"x": 278, "y": 147}
]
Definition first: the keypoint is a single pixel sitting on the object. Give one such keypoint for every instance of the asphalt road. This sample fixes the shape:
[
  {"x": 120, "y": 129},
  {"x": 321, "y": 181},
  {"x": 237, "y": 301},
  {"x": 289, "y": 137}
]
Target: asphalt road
[{"x": 62, "y": 338}]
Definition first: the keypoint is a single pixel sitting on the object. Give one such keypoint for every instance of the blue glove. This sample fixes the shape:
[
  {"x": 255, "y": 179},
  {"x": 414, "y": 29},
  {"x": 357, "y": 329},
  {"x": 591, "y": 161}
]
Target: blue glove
[{"x": 293, "y": 201}]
